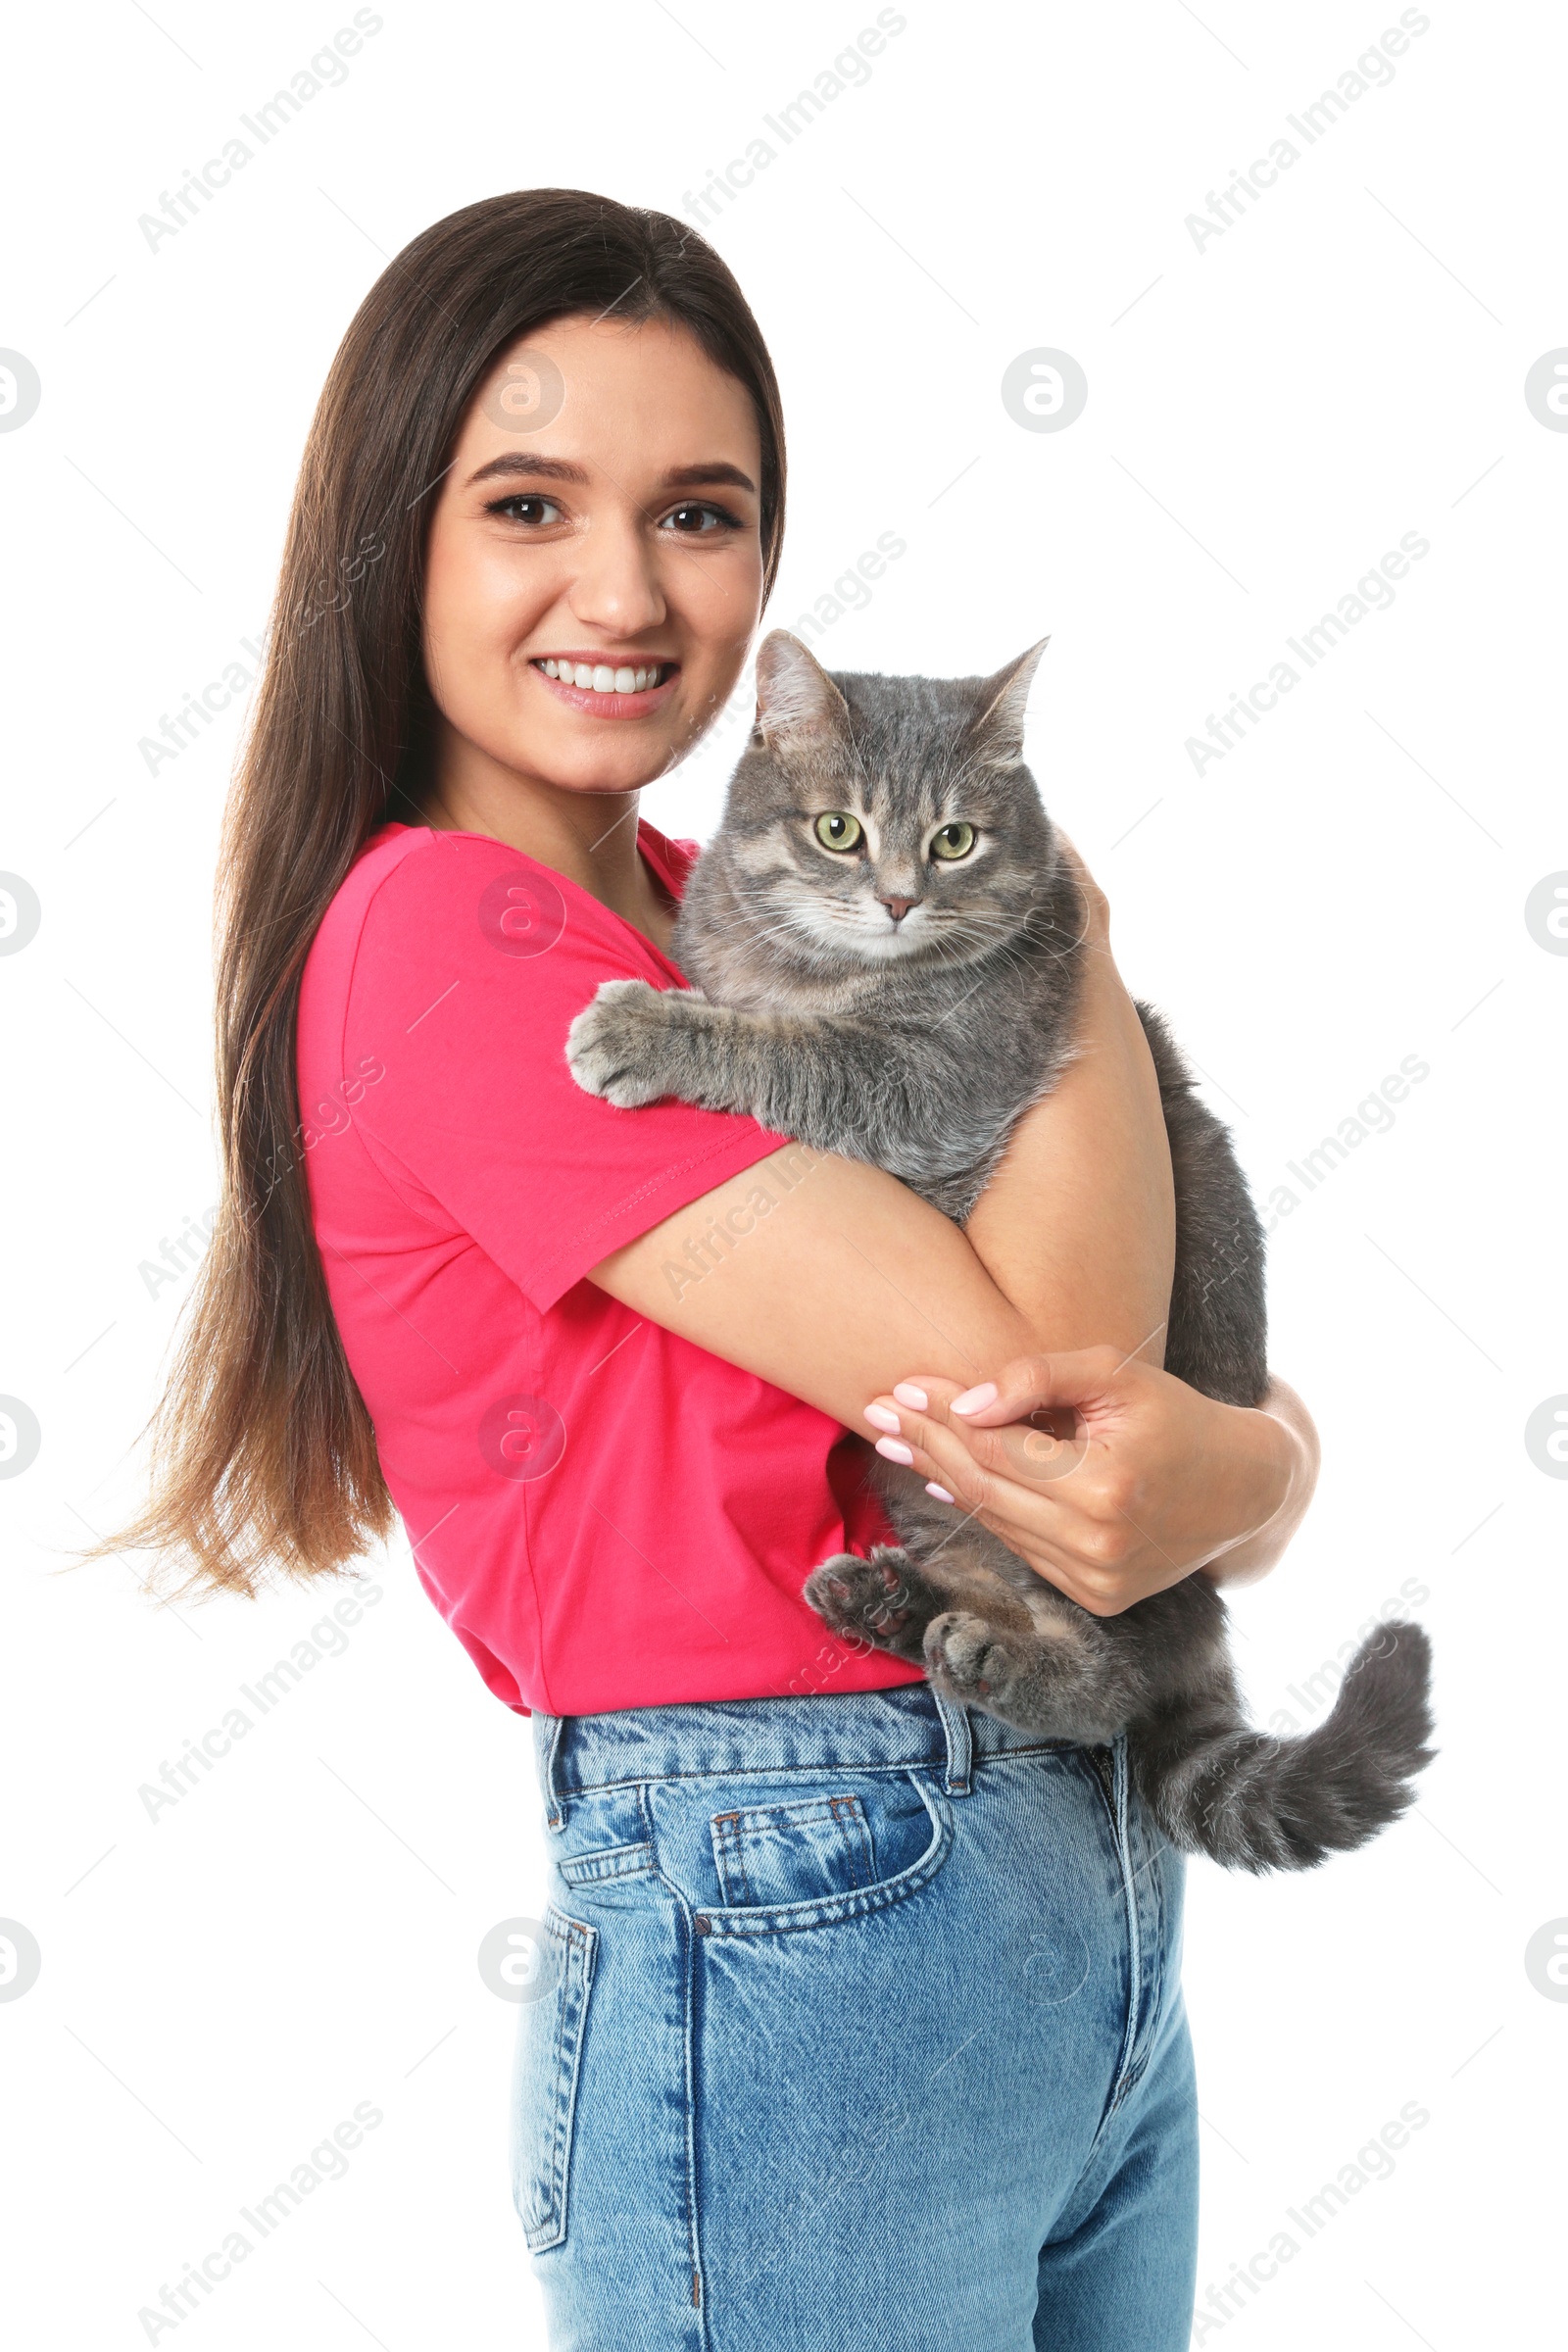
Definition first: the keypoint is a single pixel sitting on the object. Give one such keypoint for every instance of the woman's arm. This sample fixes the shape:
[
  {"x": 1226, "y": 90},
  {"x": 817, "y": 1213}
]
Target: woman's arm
[
  {"x": 830, "y": 1278},
  {"x": 1078, "y": 1224}
]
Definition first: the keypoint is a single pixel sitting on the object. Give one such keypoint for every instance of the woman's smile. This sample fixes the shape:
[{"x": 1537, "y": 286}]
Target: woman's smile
[{"x": 609, "y": 686}]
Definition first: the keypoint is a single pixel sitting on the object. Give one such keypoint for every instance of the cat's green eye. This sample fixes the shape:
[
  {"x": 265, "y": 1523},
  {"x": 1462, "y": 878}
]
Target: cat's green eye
[
  {"x": 838, "y": 830},
  {"x": 953, "y": 841}
]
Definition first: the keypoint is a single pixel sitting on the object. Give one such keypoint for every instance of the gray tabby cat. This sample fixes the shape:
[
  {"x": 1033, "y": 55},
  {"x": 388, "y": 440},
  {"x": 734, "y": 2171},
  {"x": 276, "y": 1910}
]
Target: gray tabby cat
[{"x": 885, "y": 946}]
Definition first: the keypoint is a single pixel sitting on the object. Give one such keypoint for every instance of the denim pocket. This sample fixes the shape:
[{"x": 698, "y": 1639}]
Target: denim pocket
[
  {"x": 549, "y": 2036},
  {"x": 782, "y": 1853},
  {"x": 784, "y": 1862}
]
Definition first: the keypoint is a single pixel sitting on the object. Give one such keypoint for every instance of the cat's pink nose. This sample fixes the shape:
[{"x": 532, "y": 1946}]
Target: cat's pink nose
[{"x": 898, "y": 908}]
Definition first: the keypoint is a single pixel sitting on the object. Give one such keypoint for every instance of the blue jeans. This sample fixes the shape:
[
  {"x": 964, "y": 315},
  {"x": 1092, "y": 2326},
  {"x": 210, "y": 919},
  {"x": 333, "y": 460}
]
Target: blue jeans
[{"x": 860, "y": 2028}]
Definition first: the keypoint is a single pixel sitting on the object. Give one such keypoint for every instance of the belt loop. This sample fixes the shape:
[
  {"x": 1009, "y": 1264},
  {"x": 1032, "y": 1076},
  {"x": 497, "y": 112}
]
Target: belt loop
[
  {"x": 546, "y": 1750},
  {"x": 960, "y": 1743}
]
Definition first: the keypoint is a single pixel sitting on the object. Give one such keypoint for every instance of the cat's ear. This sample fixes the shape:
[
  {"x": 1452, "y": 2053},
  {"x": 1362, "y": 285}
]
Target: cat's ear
[
  {"x": 795, "y": 699},
  {"x": 996, "y": 731}
]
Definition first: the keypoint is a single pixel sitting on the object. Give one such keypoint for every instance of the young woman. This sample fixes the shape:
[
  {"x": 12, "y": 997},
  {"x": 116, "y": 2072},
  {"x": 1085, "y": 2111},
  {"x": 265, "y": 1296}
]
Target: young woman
[{"x": 859, "y": 2019}]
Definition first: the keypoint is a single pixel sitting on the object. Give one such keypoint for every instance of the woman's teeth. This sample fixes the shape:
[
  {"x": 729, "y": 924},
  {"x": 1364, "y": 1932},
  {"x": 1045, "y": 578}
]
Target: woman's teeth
[{"x": 600, "y": 678}]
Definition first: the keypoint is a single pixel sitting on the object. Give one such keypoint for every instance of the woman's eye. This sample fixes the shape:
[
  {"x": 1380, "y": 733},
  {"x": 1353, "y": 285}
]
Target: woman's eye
[
  {"x": 839, "y": 831},
  {"x": 953, "y": 841},
  {"x": 696, "y": 518},
  {"x": 526, "y": 506}
]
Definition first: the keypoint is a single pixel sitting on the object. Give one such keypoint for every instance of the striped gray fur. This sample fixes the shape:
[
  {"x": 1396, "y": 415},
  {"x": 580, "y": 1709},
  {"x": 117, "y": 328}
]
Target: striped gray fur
[{"x": 900, "y": 1007}]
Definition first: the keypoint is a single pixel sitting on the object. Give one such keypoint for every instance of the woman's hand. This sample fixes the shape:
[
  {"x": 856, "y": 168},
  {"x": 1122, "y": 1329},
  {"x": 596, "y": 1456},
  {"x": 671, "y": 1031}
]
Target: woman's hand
[{"x": 1109, "y": 1478}]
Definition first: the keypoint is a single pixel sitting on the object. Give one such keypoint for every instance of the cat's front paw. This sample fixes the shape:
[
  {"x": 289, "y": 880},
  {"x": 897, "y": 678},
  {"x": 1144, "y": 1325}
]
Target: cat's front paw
[
  {"x": 615, "y": 1046},
  {"x": 869, "y": 1600}
]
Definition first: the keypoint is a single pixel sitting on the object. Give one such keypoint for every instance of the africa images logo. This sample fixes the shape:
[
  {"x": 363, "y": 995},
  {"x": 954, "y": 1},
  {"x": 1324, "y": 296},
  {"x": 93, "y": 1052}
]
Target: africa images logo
[
  {"x": 521, "y": 1436},
  {"x": 20, "y": 390},
  {"x": 521, "y": 911}
]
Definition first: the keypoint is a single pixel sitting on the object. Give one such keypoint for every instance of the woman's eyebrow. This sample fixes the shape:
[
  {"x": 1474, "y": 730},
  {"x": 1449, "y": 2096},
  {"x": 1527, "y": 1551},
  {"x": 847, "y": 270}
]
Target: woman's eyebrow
[
  {"x": 522, "y": 460},
  {"x": 518, "y": 462},
  {"x": 680, "y": 476}
]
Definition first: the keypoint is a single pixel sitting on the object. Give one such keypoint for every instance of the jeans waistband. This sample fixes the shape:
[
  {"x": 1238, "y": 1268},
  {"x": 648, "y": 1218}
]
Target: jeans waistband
[{"x": 909, "y": 1724}]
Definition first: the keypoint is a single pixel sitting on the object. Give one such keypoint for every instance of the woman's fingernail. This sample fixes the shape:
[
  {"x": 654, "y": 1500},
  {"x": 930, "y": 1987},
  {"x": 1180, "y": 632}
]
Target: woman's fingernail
[
  {"x": 892, "y": 1451},
  {"x": 908, "y": 1393},
  {"x": 880, "y": 1418},
  {"x": 941, "y": 1492},
  {"x": 974, "y": 1400}
]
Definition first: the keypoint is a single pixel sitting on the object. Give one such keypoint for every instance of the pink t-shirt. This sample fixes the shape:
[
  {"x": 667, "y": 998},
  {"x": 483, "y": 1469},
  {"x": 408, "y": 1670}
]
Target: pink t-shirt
[{"x": 606, "y": 1515}]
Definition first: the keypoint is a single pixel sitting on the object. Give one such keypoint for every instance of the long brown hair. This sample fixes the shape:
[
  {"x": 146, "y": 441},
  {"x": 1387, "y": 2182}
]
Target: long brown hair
[{"x": 262, "y": 1450}]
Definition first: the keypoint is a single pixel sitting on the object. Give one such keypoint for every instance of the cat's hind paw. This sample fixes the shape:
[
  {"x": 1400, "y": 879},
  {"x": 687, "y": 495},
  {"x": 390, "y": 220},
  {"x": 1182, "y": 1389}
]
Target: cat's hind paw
[
  {"x": 965, "y": 1657},
  {"x": 613, "y": 1046}
]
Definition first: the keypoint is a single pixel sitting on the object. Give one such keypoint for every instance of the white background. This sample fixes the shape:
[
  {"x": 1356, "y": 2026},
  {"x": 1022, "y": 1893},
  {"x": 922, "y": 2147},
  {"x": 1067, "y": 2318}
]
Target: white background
[{"x": 1267, "y": 416}]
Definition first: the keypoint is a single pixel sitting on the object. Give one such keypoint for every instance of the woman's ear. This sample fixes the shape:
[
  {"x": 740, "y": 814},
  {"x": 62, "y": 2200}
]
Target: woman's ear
[
  {"x": 996, "y": 731},
  {"x": 795, "y": 699}
]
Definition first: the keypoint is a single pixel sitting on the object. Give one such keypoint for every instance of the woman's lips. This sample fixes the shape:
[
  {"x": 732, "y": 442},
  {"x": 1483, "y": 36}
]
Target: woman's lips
[{"x": 612, "y": 705}]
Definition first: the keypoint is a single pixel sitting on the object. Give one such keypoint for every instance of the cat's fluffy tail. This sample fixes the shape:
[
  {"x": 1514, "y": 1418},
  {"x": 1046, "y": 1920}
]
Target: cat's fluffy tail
[{"x": 1253, "y": 1803}]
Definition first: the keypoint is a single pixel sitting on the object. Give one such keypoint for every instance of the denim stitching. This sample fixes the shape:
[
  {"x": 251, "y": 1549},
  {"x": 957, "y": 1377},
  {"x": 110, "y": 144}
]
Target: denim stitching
[
  {"x": 1153, "y": 1959},
  {"x": 1065, "y": 1748},
  {"x": 850, "y": 1814},
  {"x": 607, "y": 1862},
  {"x": 574, "y": 1943},
  {"x": 688, "y": 1940},
  {"x": 1122, "y": 2081},
  {"x": 729, "y": 1857},
  {"x": 1134, "y": 1934}
]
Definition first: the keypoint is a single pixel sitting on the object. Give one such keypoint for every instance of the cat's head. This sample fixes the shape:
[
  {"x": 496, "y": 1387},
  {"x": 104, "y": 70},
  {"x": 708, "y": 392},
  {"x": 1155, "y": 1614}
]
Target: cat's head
[{"x": 882, "y": 822}]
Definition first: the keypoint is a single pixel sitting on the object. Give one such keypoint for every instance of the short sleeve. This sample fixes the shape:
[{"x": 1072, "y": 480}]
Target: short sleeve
[{"x": 471, "y": 966}]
